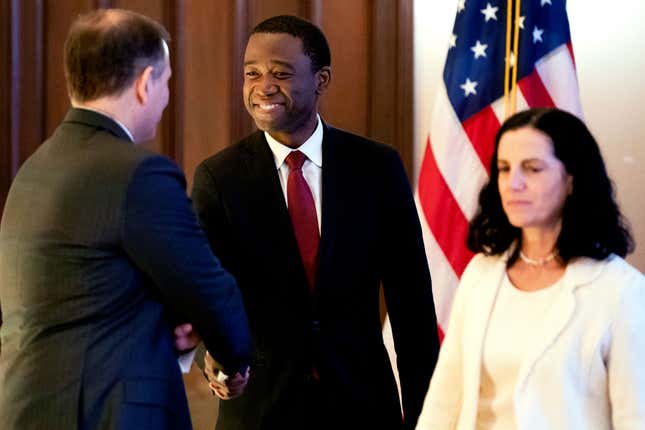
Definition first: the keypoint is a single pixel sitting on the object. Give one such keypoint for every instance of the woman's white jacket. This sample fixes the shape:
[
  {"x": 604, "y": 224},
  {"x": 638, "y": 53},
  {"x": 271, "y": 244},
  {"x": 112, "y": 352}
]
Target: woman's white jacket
[{"x": 585, "y": 371}]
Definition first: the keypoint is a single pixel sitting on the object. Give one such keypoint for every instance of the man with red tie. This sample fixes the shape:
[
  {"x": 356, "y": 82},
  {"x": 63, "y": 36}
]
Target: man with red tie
[{"x": 312, "y": 220}]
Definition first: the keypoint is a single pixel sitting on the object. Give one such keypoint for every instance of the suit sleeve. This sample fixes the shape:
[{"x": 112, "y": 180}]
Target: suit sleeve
[
  {"x": 210, "y": 212},
  {"x": 161, "y": 235},
  {"x": 408, "y": 291}
]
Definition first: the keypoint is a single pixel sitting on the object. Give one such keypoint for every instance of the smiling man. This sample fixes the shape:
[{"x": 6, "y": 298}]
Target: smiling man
[{"x": 311, "y": 220}]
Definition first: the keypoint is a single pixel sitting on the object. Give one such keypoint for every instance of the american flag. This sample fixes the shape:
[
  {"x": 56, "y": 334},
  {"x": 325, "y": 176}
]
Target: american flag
[{"x": 469, "y": 110}]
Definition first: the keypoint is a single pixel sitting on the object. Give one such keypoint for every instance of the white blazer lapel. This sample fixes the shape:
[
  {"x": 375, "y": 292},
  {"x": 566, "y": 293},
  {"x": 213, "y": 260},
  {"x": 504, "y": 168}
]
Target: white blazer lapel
[
  {"x": 477, "y": 315},
  {"x": 577, "y": 273},
  {"x": 556, "y": 320}
]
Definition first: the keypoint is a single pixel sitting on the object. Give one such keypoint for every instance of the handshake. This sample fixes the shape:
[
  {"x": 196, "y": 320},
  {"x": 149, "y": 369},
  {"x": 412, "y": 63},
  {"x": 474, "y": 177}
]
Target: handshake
[{"x": 224, "y": 386}]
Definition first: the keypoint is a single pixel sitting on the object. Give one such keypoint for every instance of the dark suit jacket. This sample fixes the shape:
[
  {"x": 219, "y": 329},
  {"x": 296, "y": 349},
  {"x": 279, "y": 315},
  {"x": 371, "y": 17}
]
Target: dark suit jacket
[
  {"x": 100, "y": 254},
  {"x": 370, "y": 236}
]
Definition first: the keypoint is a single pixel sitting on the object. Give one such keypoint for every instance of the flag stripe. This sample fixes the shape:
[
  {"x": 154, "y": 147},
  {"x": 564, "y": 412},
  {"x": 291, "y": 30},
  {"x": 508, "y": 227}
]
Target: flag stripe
[
  {"x": 558, "y": 74},
  {"x": 481, "y": 129},
  {"x": 573, "y": 57},
  {"x": 440, "y": 269},
  {"x": 456, "y": 158},
  {"x": 534, "y": 91},
  {"x": 441, "y": 209}
]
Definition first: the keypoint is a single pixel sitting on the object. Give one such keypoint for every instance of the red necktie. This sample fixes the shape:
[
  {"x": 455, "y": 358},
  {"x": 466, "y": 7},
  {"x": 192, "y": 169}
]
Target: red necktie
[{"x": 302, "y": 211}]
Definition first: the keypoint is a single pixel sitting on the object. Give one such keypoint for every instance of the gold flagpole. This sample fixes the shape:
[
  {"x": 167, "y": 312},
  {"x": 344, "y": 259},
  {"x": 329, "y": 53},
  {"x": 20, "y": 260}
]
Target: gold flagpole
[
  {"x": 507, "y": 61},
  {"x": 516, "y": 42}
]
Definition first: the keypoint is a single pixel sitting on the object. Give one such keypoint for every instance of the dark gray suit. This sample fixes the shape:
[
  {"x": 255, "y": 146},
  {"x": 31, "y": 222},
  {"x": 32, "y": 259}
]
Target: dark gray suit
[{"x": 100, "y": 255}]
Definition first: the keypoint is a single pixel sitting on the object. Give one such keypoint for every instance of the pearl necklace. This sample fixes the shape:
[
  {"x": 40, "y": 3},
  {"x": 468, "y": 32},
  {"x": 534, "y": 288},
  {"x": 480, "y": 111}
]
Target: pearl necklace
[{"x": 540, "y": 261}]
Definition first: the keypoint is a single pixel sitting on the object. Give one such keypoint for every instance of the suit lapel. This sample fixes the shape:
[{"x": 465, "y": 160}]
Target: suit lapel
[
  {"x": 271, "y": 209},
  {"x": 263, "y": 174}
]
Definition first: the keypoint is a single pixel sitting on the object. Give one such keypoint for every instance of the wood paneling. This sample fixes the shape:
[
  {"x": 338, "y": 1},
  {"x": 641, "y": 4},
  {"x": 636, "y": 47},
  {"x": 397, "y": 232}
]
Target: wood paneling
[
  {"x": 207, "y": 94},
  {"x": 404, "y": 122},
  {"x": 241, "y": 123},
  {"x": 172, "y": 123},
  {"x": 260, "y": 10},
  {"x": 347, "y": 27},
  {"x": 58, "y": 16},
  {"x": 370, "y": 92},
  {"x": 27, "y": 80},
  {"x": 6, "y": 172},
  {"x": 152, "y": 8},
  {"x": 391, "y": 88}
]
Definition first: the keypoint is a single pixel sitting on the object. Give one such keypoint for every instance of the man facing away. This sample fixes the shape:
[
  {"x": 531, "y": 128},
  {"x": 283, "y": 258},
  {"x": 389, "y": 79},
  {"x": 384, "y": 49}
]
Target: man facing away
[
  {"x": 311, "y": 220},
  {"x": 101, "y": 254}
]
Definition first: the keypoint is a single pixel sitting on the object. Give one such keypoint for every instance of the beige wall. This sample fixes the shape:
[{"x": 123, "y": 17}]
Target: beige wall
[{"x": 607, "y": 41}]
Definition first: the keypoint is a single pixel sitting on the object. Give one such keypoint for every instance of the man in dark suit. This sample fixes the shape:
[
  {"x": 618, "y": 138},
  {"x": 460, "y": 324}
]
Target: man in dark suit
[
  {"x": 101, "y": 254},
  {"x": 310, "y": 244}
]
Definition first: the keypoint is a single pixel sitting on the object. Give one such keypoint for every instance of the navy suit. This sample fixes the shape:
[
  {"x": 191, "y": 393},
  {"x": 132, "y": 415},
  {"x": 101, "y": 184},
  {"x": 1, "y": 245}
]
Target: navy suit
[
  {"x": 100, "y": 255},
  {"x": 370, "y": 236}
]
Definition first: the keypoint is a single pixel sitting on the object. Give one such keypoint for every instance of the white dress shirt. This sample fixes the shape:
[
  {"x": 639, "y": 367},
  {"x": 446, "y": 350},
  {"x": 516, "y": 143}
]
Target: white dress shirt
[
  {"x": 515, "y": 323},
  {"x": 311, "y": 169}
]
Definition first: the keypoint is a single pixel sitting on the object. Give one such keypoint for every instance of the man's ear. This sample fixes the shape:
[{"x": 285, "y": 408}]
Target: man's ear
[
  {"x": 141, "y": 85},
  {"x": 323, "y": 77}
]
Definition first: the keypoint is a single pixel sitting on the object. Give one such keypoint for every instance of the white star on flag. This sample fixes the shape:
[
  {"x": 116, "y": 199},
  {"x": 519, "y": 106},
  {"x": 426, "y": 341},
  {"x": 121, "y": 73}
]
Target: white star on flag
[
  {"x": 521, "y": 24},
  {"x": 537, "y": 34},
  {"x": 479, "y": 49},
  {"x": 468, "y": 87},
  {"x": 490, "y": 12},
  {"x": 452, "y": 42},
  {"x": 461, "y": 5},
  {"x": 543, "y": 2}
]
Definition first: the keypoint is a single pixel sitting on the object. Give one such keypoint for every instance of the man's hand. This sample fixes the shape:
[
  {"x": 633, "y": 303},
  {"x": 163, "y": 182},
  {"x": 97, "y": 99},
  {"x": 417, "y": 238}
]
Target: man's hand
[
  {"x": 186, "y": 338},
  {"x": 223, "y": 387}
]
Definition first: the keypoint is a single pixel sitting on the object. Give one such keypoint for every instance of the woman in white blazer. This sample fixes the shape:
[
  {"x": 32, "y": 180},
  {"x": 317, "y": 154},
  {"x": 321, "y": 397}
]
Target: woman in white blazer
[{"x": 547, "y": 329}]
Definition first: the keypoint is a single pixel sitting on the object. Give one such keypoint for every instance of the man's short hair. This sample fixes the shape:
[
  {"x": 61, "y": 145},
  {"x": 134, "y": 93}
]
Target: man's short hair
[
  {"x": 107, "y": 49},
  {"x": 314, "y": 43}
]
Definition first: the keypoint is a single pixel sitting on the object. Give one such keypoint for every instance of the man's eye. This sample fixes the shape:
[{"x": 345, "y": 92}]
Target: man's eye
[
  {"x": 281, "y": 75},
  {"x": 250, "y": 74}
]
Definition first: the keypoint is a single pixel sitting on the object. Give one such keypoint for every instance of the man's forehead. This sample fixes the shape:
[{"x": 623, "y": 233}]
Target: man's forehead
[{"x": 276, "y": 44}]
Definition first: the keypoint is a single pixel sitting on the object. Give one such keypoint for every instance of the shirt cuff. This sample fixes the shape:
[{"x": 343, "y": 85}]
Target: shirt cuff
[{"x": 186, "y": 360}]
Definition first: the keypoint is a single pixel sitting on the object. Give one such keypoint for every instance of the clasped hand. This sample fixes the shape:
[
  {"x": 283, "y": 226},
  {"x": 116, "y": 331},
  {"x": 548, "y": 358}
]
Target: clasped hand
[
  {"x": 224, "y": 388},
  {"x": 186, "y": 338}
]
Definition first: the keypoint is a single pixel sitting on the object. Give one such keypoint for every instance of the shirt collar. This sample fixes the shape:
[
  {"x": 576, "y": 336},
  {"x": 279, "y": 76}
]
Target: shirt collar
[
  {"x": 119, "y": 123},
  {"x": 312, "y": 147}
]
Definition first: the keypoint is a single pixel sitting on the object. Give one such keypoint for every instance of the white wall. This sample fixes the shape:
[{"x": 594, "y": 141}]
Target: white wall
[{"x": 608, "y": 41}]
